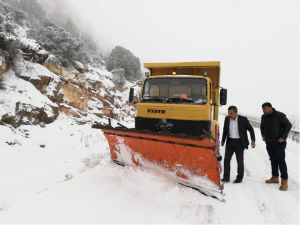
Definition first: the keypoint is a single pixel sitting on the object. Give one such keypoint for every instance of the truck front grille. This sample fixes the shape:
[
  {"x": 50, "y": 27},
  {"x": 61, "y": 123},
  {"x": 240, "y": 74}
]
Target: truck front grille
[{"x": 183, "y": 127}]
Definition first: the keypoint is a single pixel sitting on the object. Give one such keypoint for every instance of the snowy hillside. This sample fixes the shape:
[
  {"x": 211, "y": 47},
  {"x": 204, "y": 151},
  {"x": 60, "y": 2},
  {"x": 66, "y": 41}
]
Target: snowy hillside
[
  {"x": 46, "y": 70},
  {"x": 63, "y": 174},
  {"x": 37, "y": 96}
]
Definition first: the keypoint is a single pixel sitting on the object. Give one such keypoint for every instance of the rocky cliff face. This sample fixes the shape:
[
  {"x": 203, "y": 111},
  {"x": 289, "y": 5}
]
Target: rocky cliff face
[
  {"x": 32, "y": 93},
  {"x": 2, "y": 65}
]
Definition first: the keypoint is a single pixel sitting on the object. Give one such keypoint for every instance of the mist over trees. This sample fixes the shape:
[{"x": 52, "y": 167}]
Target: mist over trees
[
  {"x": 51, "y": 25},
  {"x": 31, "y": 7},
  {"x": 70, "y": 26},
  {"x": 121, "y": 57},
  {"x": 66, "y": 46},
  {"x": 66, "y": 42}
]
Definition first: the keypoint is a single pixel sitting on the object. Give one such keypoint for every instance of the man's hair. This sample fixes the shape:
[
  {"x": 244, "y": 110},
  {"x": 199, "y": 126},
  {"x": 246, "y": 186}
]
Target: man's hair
[
  {"x": 267, "y": 104},
  {"x": 232, "y": 107}
]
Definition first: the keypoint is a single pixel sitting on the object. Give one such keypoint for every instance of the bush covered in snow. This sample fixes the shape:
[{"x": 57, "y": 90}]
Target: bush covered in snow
[
  {"x": 118, "y": 76},
  {"x": 60, "y": 43}
]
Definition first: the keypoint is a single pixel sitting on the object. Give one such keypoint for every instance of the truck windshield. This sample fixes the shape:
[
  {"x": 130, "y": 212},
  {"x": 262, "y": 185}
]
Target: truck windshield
[{"x": 179, "y": 90}]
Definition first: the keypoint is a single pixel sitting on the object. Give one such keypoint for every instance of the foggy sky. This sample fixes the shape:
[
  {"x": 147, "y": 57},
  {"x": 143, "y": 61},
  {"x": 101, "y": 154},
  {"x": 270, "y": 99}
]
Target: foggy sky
[{"x": 257, "y": 41}]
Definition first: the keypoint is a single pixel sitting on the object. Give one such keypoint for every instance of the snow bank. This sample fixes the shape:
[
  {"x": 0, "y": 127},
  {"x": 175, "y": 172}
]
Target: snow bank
[
  {"x": 34, "y": 159},
  {"x": 18, "y": 90},
  {"x": 36, "y": 71}
]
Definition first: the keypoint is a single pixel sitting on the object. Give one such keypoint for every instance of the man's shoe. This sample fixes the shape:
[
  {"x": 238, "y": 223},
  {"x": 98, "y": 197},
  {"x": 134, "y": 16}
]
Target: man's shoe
[
  {"x": 224, "y": 180},
  {"x": 236, "y": 181},
  {"x": 284, "y": 185},
  {"x": 272, "y": 180}
]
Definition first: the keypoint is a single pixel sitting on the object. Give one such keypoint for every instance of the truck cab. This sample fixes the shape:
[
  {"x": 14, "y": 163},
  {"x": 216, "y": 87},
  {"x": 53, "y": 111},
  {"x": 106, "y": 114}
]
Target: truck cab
[{"x": 181, "y": 98}]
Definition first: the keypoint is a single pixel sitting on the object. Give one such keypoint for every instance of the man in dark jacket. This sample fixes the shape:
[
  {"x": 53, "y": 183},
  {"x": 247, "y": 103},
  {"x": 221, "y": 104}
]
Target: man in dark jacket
[
  {"x": 235, "y": 134},
  {"x": 275, "y": 128}
]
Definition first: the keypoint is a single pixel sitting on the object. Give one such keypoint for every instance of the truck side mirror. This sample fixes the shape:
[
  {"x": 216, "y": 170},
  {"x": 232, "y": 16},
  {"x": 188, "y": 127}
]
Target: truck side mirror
[
  {"x": 223, "y": 96},
  {"x": 131, "y": 94}
]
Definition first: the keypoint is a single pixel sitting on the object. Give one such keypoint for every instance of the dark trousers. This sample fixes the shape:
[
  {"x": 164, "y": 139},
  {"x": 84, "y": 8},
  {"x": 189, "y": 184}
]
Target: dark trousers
[
  {"x": 234, "y": 146},
  {"x": 276, "y": 153}
]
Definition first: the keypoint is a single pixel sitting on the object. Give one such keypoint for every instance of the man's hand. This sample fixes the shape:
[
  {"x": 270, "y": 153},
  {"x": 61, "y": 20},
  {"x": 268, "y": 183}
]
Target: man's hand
[
  {"x": 253, "y": 144},
  {"x": 281, "y": 140},
  {"x": 222, "y": 143}
]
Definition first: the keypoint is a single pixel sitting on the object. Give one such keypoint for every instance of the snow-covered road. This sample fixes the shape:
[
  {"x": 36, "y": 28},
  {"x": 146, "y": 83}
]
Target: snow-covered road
[{"x": 72, "y": 180}]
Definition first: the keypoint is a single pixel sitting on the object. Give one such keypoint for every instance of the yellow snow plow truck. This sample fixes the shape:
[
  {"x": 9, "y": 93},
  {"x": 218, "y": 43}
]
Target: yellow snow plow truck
[{"x": 176, "y": 125}]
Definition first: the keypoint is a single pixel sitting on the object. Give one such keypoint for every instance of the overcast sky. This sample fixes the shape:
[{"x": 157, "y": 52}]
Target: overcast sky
[{"x": 257, "y": 41}]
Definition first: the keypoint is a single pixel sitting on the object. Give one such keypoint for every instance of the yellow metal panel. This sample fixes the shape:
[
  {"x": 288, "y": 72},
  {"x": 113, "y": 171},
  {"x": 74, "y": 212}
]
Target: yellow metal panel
[
  {"x": 173, "y": 111},
  {"x": 177, "y": 76},
  {"x": 210, "y": 68},
  {"x": 182, "y": 64}
]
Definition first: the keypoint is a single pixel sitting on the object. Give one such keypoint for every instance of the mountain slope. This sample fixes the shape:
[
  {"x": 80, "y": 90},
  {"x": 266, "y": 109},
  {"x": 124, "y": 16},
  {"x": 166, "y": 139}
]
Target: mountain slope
[{"x": 43, "y": 72}]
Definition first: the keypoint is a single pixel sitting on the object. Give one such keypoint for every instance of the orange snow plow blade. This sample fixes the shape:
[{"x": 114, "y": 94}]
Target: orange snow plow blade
[{"x": 187, "y": 158}]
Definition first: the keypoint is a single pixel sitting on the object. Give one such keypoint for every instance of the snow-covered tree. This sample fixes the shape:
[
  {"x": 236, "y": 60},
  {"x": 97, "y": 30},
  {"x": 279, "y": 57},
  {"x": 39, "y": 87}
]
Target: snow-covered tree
[{"x": 123, "y": 58}]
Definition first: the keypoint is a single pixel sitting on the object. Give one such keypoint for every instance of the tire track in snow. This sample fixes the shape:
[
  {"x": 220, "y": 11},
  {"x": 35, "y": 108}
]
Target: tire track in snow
[
  {"x": 210, "y": 213},
  {"x": 201, "y": 213},
  {"x": 270, "y": 201},
  {"x": 270, "y": 212}
]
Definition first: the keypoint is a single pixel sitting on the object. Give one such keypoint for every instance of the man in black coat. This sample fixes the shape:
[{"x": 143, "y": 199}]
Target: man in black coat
[
  {"x": 275, "y": 128},
  {"x": 235, "y": 134}
]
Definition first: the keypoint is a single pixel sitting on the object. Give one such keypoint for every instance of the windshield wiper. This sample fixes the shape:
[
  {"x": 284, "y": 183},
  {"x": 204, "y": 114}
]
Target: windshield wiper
[
  {"x": 153, "y": 98},
  {"x": 178, "y": 99}
]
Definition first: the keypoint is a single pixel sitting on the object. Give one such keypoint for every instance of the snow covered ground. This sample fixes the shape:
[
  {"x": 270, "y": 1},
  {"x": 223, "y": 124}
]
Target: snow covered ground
[{"x": 63, "y": 174}]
